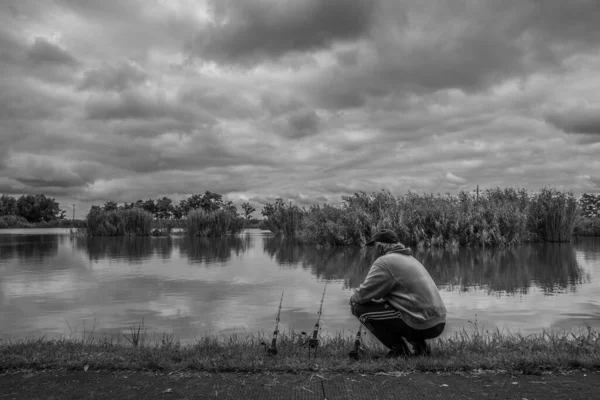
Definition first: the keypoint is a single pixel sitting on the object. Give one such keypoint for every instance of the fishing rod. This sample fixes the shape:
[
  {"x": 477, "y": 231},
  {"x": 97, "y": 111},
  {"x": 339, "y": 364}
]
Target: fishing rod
[
  {"x": 354, "y": 354},
  {"x": 272, "y": 351},
  {"x": 313, "y": 342}
]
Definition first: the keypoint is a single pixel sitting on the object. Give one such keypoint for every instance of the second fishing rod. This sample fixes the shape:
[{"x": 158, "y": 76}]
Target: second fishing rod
[{"x": 313, "y": 340}]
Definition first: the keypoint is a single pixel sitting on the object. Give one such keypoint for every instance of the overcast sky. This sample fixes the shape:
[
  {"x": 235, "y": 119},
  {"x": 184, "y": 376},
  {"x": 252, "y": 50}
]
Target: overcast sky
[{"x": 308, "y": 100}]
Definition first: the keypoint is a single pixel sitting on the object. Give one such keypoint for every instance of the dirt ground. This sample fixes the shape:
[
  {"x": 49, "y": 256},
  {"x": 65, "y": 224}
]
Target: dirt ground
[{"x": 201, "y": 385}]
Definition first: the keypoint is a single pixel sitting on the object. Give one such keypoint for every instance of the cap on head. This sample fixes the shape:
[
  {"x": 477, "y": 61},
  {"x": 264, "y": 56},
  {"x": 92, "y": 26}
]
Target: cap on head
[{"x": 384, "y": 236}]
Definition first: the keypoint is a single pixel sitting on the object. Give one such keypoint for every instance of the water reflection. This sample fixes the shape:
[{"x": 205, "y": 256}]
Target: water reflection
[
  {"x": 551, "y": 267},
  {"x": 29, "y": 248},
  {"x": 133, "y": 249},
  {"x": 136, "y": 250},
  {"x": 212, "y": 250},
  {"x": 46, "y": 280}
]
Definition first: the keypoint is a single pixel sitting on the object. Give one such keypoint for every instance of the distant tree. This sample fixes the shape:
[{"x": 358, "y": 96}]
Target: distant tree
[
  {"x": 590, "y": 205},
  {"x": 180, "y": 209},
  {"x": 110, "y": 206},
  {"x": 8, "y": 205},
  {"x": 164, "y": 208},
  {"x": 150, "y": 206},
  {"x": 38, "y": 208},
  {"x": 248, "y": 210},
  {"x": 270, "y": 209},
  {"x": 208, "y": 201}
]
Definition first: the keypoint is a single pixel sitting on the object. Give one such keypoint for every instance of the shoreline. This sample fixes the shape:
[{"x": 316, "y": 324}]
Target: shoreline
[{"x": 465, "y": 351}]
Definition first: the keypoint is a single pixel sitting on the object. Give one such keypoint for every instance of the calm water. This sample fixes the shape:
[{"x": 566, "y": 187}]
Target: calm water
[{"x": 58, "y": 285}]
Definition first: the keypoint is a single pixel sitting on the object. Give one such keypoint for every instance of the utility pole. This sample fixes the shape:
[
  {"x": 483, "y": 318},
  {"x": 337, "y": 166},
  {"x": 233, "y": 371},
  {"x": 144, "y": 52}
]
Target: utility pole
[
  {"x": 477, "y": 193},
  {"x": 73, "y": 211}
]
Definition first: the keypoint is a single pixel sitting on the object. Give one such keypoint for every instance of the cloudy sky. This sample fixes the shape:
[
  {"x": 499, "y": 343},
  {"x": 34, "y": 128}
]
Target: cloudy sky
[{"x": 308, "y": 100}]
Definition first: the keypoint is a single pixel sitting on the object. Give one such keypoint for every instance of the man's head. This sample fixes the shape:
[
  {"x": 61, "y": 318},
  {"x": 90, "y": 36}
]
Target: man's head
[{"x": 384, "y": 236}]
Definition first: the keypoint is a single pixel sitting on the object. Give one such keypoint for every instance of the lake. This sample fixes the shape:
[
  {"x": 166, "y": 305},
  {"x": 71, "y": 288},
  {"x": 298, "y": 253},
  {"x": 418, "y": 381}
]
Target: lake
[{"x": 56, "y": 285}]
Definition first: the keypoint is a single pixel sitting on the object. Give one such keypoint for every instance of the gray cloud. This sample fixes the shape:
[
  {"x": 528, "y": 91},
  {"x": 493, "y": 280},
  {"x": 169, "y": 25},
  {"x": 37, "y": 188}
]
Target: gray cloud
[
  {"x": 417, "y": 47},
  {"x": 131, "y": 105},
  {"x": 43, "y": 53},
  {"x": 253, "y": 30},
  {"x": 117, "y": 77},
  {"x": 586, "y": 121},
  {"x": 302, "y": 122}
]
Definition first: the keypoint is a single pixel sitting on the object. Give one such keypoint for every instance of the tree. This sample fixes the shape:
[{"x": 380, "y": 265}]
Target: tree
[
  {"x": 248, "y": 210},
  {"x": 8, "y": 205},
  {"x": 150, "y": 206},
  {"x": 110, "y": 206},
  {"x": 180, "y": 209},
  {"x": 38, "y": 208},
  {"x": 164, "y": 208}
]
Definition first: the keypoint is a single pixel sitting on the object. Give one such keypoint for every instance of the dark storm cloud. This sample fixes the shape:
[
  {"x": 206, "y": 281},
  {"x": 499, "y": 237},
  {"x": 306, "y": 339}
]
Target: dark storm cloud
[
  {"x": 116, "y": 78},
  {"x": 423, "y": 47},
  {"x": 43, "y": 53},
  {"x": 586, "y": 121},
  {"x": 253, "y": 30}
]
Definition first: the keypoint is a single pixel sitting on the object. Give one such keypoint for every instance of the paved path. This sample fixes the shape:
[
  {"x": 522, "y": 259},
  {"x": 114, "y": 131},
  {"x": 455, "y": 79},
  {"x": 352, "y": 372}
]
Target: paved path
[{"x": 129, "y": 385}]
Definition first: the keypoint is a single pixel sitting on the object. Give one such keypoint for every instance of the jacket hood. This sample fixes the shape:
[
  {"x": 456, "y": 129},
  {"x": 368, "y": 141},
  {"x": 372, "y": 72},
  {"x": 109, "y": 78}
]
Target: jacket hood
[{"x": 399, "y": 248}]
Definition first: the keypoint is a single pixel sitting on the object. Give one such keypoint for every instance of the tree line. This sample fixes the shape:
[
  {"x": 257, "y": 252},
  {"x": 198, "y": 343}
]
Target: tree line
[
  {"x": 164, "y": 208},
  {"x": 33, "y": 208}
]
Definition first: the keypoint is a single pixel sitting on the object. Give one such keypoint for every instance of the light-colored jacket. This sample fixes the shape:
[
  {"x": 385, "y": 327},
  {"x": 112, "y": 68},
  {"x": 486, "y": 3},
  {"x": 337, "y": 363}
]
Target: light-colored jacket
[{"x": 405, "y": 284}]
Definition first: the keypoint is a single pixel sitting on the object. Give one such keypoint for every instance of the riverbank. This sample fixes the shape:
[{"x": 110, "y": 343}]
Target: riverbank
[{"x": 465, "y": 351}]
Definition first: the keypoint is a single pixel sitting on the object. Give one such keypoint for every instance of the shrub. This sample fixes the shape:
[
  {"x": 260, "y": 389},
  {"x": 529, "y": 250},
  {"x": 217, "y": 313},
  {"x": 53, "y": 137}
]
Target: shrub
[
  {"x": 213, "y": 223},
  {"x": 119, "y": 223}
]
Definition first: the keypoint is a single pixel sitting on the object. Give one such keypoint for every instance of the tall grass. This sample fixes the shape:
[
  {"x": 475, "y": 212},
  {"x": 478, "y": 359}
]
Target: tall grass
[
  {"x": 213, "y": 223},
  {"x": 495, "y": 217},
  {"x": 467, "y": 350},
  {"x": 119, "y": 223},
  {"x": 553, "y": 215},
  {"x": 284, "y": 219}
]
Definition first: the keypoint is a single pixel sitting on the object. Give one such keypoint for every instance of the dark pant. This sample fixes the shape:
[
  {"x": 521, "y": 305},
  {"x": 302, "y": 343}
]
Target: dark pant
[{"x": 386, "y": 324}]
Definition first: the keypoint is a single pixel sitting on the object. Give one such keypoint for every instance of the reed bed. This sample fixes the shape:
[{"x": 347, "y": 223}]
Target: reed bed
[
  {"x": 469, "y": 349},
  {"x": 553, "y": 215},
  {"x": 216, "y": 223},
  {"x": 119, "y": 222},
  {"x": 494, "y": 217}
]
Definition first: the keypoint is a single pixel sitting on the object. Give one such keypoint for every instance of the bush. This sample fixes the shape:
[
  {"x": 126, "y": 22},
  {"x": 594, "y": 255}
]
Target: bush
[
  {"x": 496, "y": 217},
  {"x": 213, "y": 223},
  {"x": 553, "y": 214},
  {"x": 119, "y": 223},
  {"x": 14, "y": 221}
]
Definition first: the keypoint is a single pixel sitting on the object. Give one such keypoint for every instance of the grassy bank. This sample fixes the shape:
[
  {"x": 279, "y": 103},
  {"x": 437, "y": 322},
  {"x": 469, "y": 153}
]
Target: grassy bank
[
  {"x": 467, "y": 350},
  {"x": 494, "y": 217},
  {"x": 17, "y": 222}
]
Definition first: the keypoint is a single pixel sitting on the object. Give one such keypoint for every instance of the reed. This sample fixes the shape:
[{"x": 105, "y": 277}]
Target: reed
[
  {"x": 495, "y": 217},
  {"x": 213, "y": 223},
  {"x": 119, "y": 223},
  {"x": 284, "y": 219},
  {"x": 553, "y": 215}
]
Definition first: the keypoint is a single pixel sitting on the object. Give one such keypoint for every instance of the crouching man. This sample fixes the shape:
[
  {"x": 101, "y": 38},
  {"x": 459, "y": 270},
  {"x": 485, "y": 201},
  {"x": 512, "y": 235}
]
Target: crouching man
[{"x": 399, "y": 300}]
